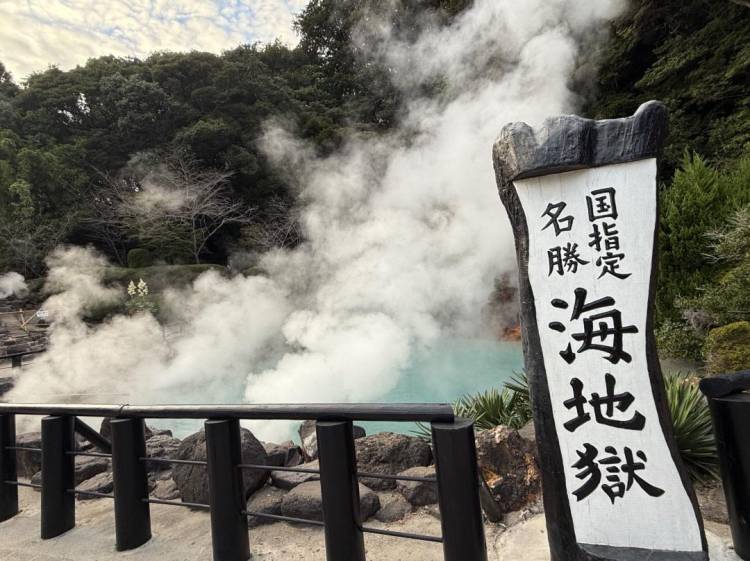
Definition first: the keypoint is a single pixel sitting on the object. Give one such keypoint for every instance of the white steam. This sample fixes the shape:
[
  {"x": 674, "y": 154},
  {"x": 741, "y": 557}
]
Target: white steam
[
  {"x": 405, "y": 236},
  {"x": 12, "y": 284}
]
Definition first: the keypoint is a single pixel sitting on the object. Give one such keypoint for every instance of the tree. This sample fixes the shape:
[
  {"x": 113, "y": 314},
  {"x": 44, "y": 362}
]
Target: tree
[{"x": 181, "y": 205}]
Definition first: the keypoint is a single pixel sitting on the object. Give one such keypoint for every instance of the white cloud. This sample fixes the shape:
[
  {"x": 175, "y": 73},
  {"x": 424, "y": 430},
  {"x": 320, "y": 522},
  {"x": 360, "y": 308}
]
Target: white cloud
[{"x": 35, "y": 34}]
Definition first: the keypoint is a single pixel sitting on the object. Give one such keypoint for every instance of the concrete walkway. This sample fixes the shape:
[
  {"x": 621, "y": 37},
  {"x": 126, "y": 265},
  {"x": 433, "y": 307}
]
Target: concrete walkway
[{"x": 184, "y": 535}]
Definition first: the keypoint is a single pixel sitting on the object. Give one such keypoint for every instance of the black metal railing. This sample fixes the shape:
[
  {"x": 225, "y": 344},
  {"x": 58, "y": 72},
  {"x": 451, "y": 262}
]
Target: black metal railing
[
  {"x": 456, "y": 477},
  {"x": 17, "y": 358}
]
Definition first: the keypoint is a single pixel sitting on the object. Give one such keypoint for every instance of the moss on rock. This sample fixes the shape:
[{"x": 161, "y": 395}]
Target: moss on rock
[{"x": 728, "y": 348}]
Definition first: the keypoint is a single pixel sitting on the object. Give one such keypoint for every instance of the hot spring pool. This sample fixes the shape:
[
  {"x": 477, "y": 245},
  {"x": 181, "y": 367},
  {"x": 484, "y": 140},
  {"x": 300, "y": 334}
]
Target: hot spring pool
[{"x": 441, "y": 375}]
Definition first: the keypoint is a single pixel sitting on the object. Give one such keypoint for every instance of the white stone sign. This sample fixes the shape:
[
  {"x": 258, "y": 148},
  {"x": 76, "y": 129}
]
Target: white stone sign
[
  {"x": 591, "y": 235},
  {"x": 582, "y": 198}
]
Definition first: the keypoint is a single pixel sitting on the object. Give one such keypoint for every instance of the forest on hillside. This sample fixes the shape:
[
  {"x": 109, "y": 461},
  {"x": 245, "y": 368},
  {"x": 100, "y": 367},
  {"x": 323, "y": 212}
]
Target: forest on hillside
[{"x": 76, "y": 146}]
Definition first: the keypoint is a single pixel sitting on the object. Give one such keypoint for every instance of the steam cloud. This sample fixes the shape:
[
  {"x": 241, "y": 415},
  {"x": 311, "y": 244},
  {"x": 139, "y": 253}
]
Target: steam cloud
[
  {"x": 405, "y": 236},
  {"x": 12, "y": 284}
]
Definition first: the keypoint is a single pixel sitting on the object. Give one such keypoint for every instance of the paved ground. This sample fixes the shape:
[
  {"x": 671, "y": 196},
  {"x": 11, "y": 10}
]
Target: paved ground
[{"x": 184, "y": 535}]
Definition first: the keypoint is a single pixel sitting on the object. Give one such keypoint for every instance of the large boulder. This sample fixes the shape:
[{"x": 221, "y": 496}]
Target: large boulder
[
  {"x": 28, "y": 463},
  {"x": 309, "y": 438},
  {"x": 396, "y": 508},
  {"x": 266, "y": 501},
  {"x": 509, "y": 468},
  {"x": 87, "y": 467},
  {"x": 418, "y": 493},
  {"x": 286, "y": 454},
  {"x": 290, "y": 479},
  {"x": 161, "y": 446},
  {"x": 305, "y": 501},
  {"x": 165, "y": 490},
  {"x": 389, "y": 453},
  {"x": 192, "y": 480},
  {"x": 100, "y": 483}
]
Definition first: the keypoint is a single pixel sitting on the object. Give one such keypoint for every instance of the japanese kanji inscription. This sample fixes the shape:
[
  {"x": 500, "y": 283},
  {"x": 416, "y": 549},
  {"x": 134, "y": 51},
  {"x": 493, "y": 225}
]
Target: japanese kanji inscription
[{"x": 582, "y": 199}]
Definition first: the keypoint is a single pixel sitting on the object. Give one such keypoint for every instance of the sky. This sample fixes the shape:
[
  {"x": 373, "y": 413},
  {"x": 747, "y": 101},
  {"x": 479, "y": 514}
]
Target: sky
[{"x": 35, "y": 34}]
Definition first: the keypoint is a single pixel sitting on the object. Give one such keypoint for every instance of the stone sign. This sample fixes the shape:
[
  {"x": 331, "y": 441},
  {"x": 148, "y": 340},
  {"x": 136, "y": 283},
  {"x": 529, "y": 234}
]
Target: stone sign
[{"x": 582, "y": 199}]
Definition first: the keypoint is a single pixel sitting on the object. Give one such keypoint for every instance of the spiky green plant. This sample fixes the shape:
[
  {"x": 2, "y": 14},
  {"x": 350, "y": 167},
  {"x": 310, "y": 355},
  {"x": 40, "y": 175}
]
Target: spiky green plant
[{"x": 692, "y": 426}]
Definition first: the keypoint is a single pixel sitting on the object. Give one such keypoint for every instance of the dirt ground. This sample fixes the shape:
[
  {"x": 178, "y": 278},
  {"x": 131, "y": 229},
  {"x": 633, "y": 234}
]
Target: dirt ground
[{"x": 184, "y": 535}]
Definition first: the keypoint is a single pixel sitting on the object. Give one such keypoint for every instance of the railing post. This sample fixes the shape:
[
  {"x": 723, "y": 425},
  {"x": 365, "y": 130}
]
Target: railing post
[
  {"x": 340, "y": 491},
  {"x": 458, "y": 491},
  {"x": 58, "y": 468},
  {"x": 229, "y": 534},
  {"x": 16, "y": 361},
  {"x": 8, "y": 472},
  {"x": 132, "y": 514}
]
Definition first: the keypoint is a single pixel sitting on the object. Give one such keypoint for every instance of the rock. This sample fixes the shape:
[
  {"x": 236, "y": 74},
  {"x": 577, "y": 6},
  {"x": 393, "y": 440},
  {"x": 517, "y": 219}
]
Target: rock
[
  {"x": 287, "y": 454},
  {"x": 28, "y": 463},
  {"x": 161, "y": 445},
  {"x": 6, "y": 384},
  {"x": 290, "y": 479},
  {"x": 100, "y": 483},
  {"x": 389, "y": 453},
  {"x": 395, "y": 509},
  {"x": 266, "y": 501},
  {"x": 528, "y": 432},
  {"x": 508, "y": 465},
  {"x": 309, "y": 438},
  {"x": 87, "y": 467},
  {"x": 418, "y": 493},
  {"x": 712, "y": 502},
  {"x": 192, "y": 480},
  {"x": 304, "y": 501},
  {"x": 36, "y": 479},
  {"x": 165, "y": 489}
]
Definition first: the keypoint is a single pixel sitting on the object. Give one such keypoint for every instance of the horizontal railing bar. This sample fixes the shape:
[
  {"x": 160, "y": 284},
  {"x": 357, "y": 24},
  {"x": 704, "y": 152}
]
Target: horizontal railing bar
[
  {"x": 22, "y": 484},
  {"x": 406, "y": 412},
  {"x": 284, "y": 518},
  {"x": 90, "y": 454},
  {"x": 177, "y": 503},
  {"x": 406, "y": 535},
  {"x": 278, "y": 468},
  {"x": 23, "y": 448},
  {"x": 397, "y": 477},
  {"x": 24, "y": 353},
  {"x": 91, "y": 494},
  {"x": 171, "y": 461}
]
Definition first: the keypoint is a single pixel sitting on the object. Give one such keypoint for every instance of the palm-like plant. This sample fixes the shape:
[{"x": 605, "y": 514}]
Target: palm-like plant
[{"x": 692, "y": 427}]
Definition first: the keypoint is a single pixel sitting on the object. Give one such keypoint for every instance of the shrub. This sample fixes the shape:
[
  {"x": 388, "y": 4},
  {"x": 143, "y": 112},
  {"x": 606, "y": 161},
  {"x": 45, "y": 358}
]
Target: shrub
[
  {"x": 679, "y": 340},
  {"x": 139, "y": 258},
  {"x": 728, "y": 348},
  {"x": 693, "y": 429}
]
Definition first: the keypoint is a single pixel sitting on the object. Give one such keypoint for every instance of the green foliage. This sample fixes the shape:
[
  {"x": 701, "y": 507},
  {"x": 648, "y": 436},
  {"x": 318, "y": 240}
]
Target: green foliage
[
  {"x": 728, "y": 348},
  {"x": 675, "y": 339},
  {"x": 693, "y": 428},
  {"x": 694, "y": 56},
  {"x": 699, "y": 200},
  {"x": 139, "y": 258}
]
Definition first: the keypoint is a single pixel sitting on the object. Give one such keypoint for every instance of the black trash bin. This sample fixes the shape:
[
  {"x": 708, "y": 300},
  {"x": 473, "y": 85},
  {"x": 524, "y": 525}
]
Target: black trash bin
[{"x": 729, "y": 400}]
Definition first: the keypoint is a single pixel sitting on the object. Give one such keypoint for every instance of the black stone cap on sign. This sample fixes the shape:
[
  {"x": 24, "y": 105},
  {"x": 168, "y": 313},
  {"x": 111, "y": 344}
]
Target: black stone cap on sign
[{"x": 570, "y": 142}]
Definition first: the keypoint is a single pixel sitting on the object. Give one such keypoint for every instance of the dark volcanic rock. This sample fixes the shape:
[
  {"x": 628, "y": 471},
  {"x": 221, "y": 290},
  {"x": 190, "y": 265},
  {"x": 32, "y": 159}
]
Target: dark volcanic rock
[
  {"x": 192, "y": 480},
  {"x": 165, "y": 489},
  {"x": 389, "y": 453},
  {"x": 265, "y": 501},
  {"x": 395, "y": 509},
  {"x": 508, "y": 465},
  {"x": 287, "y": 454},
  {"x": 161, "y": 446},
  {"x": 418, "y": 493},
  {"x": 100, "y": 483},
  {"x": 305, "y": 501},
  {"x": 87, "y": 467},
  {"x": 290, "y": 479},
  {"x": 27, "y": 462}
]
